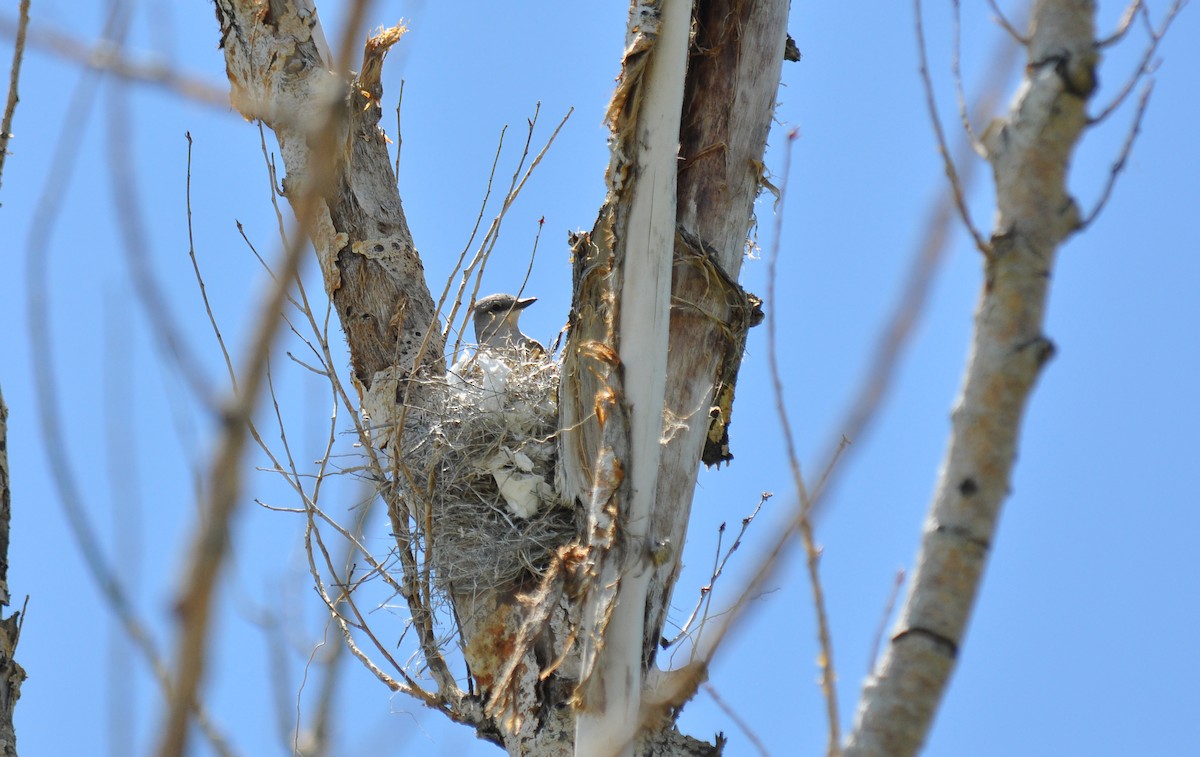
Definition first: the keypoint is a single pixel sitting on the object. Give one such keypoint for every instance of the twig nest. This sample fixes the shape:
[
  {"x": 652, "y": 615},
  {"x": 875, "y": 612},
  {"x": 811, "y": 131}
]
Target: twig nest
[{"x": 495, "y": 513}]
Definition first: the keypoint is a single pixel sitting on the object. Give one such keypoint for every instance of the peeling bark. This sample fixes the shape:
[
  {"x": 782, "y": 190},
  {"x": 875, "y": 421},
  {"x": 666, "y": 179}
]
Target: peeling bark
[
  {"x": 544, "y": 650},
  {"x": 733, "y": 80}
]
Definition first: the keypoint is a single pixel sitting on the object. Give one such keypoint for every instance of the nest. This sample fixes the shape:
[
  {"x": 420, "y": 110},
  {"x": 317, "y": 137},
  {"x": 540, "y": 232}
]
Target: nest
[{"x": 496, "y": 516}]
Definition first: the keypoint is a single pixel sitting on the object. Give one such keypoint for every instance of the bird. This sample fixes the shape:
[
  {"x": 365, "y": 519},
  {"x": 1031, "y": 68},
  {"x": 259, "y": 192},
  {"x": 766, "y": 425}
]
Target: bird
[{"x": 496, "y": 324}]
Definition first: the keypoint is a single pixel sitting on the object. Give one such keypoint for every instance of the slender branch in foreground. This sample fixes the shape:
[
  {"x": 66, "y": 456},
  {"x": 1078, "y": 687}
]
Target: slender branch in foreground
[
  {"x": 212, "y": 541},
  {"x": 804, "y": 520},
  {"x": 104, "y": 56},
  {"x": 738, "y": 720},
  {"x": 54, "y": 439}
]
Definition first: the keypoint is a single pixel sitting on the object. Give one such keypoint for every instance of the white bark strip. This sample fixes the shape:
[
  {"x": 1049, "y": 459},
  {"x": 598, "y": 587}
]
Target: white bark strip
[
  {"x": 1029, "y": 152},
  {"x": 649, "y": 239}
]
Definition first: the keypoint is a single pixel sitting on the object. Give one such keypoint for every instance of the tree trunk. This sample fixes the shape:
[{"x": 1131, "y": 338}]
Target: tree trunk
[{"x": 557, "y": 658}]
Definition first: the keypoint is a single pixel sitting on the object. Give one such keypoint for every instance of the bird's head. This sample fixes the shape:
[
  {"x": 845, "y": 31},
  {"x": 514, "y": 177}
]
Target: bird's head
[{"x": 496, "y": 316}]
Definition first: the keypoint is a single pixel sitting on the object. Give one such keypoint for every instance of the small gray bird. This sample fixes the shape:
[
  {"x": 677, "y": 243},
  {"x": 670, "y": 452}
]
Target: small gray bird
[{"x": 496, "y": 324}]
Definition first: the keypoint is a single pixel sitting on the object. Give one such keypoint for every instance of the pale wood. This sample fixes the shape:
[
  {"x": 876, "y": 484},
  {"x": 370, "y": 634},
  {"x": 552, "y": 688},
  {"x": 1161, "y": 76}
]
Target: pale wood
[
  {"x": 1029, "y": 152},
  {"x": 523, "y": 644},
  {"x": 642, "y": 193},
  {"x": 733, "y": 80}
]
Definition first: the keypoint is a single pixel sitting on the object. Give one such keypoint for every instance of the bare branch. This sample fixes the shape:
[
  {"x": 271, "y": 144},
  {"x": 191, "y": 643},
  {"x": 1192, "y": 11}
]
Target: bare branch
[
  {"x": 212, "y": 319},
  {"x": 1006, "y": 25},
  {"x": 884, "y": 617},
  {"x": 1146, "y": 65},
  {"x": 493, "y": 233},
  {"x": 781, "y": 411},
  {"x": 1119, "y": 165},
  {"x": 14, "y": 76},
  {"x": 719, "y": 562},
  {"x": 803, "y": 521},
  {"x": 960, "y": 200},
  {"x": 1125, "y": 24},
  {"x": 956, "y": 70},
  {"x": 12, "y": 675},
  {"x": 870, "y": 394},
  {"x": 106, "y": 57},
  {"x": 742, "y": 725},
  {"x": 1029, "y": 152},
  {"x": 54, "y": 439}
]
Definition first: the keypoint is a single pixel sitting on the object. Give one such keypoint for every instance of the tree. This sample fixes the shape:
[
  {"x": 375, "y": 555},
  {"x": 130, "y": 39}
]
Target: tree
[
  {"x": 579, "y": 643},
  {"x": 399, "y": 407}
]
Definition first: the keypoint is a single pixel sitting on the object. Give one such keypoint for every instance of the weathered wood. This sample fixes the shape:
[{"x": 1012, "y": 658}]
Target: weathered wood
[
  {"x": 525, "y": 644},
  {"x": 733, "y": 80}
]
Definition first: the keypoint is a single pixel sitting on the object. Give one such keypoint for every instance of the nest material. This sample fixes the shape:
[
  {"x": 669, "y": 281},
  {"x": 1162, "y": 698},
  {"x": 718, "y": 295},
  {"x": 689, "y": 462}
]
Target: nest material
[{"x": 495, "y": 514}]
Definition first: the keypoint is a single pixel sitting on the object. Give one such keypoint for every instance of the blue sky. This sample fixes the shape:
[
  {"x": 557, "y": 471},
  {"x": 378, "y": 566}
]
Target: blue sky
[{"x": 1082, "y": 640}]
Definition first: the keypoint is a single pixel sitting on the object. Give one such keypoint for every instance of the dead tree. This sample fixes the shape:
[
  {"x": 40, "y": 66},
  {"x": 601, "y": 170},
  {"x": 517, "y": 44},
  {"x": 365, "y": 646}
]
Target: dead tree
[{"x": 561, "y": 652}]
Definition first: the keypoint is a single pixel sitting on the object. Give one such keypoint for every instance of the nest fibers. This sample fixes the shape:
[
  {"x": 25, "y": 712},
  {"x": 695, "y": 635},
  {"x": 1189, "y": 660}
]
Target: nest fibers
[{"x": 496, "y": 515}]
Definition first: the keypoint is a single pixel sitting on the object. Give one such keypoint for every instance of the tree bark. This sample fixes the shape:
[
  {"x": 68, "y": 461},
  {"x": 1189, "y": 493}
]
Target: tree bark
[
  {"x": 1029, "y": 152},
  {"x": 582, "y": 637},
  {"x": 11, "y": 673},
  {"x": 733, "y": 79}
]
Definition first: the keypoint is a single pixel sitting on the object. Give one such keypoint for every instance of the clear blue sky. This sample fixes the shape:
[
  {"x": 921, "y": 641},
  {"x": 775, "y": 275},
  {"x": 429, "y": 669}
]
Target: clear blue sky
[{"x": 1083, "y": 638}]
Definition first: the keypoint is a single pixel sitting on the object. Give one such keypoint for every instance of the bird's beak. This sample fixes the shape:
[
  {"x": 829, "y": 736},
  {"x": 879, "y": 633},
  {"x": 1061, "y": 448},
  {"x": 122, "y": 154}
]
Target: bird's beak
[{"x": 524, "y": 302}]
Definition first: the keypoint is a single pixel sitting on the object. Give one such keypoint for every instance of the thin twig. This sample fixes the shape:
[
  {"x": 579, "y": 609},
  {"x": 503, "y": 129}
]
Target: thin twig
[
  {"x": 1122, "y": 158},
  {"x": 274, "y": 192},
  {"x": 1146, "y": 64},
  {"x": 54, "y": 440},
  {"x": 212, "y": 319},
  {"x": 706, "y": 591},
  {"x": 773, "y": 353},
  {"x": 803, "y": 519},
  {"x": 14, "y": 76},
  {"x": 1006, "y": 26},
  {"x": 493, "y": 233},
  {"x": 895, "y": 338},
  {"x": 487, "y": 194},
  {"x": 960, "y": 199},
  {"x": 884, "y": 617},
  {"x": 742, "y": 725},
  {"x": 956, "y": 70},
  {"x": 1123, "y": 26},
  {"x": 108, "y": 58},
  {"x": 399, "y": 134}
]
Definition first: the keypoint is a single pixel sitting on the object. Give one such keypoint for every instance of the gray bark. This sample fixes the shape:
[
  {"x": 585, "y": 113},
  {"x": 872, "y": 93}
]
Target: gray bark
[
  {"x": 531, "y": 668},
  {"x": 1029, "y": 152}
]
